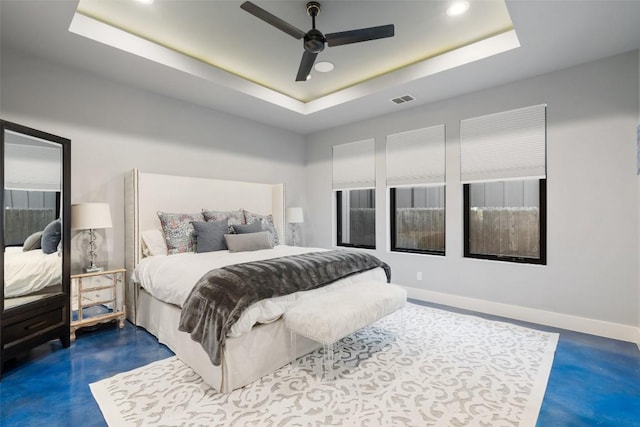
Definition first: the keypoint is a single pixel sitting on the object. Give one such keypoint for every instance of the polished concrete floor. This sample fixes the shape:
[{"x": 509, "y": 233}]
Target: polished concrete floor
[{"x": 594, "y": 381}]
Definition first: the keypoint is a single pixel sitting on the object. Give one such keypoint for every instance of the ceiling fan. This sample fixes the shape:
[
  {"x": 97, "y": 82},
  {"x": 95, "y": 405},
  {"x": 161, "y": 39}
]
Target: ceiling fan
[{"x": 314, "y": 40}]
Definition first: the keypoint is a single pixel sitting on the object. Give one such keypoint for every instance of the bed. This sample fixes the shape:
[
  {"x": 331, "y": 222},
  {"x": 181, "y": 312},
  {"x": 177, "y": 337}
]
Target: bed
[{"x": 258, "y": 343}]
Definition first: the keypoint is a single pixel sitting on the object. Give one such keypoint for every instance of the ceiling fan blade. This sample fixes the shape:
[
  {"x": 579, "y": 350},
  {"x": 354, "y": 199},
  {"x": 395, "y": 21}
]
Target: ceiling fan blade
[
  {"x": 361, "y": 35},
  {"x": 267, "y": 17},
  {"x": 306, "y": 64}
]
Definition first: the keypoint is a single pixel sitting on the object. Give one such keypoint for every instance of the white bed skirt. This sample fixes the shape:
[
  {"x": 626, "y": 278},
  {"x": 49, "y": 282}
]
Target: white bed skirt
[{"x": 244, "y": 359}]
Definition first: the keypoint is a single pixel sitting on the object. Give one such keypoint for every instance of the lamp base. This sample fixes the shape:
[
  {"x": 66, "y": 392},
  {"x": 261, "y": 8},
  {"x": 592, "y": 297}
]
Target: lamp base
[{"x": 93, "y": 269}]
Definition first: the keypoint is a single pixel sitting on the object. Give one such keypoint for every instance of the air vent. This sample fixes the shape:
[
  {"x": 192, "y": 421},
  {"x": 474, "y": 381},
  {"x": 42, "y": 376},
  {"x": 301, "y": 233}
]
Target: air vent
[{"x": 402, "y": 99}]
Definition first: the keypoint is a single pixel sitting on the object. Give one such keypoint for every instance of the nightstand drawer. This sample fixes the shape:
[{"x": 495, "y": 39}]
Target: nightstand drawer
[{"x": 32, "y": 326}]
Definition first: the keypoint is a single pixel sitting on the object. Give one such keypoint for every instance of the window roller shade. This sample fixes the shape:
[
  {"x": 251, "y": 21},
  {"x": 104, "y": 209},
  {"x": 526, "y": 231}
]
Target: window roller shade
[
  {"x": 416, "y": 157},
  {"x": 32, "y": 168},
  {"x": 354, "y": 165},
  {"x": 504, "y": 146}
]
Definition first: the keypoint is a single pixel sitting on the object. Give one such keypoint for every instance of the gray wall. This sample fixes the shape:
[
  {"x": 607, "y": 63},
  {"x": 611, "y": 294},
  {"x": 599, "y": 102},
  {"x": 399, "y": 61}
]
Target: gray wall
[
  {"x": 593, "y": 258},
  {"x": 593, "y": 200},
  {"x": 115, "y": 128}
]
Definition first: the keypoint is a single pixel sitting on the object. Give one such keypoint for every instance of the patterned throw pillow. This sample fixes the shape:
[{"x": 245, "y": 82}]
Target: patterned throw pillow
[
  {"x": 267, "y": 225},
  {"x": 232, "y": 217},
  {"x": 178, "y": 231}
]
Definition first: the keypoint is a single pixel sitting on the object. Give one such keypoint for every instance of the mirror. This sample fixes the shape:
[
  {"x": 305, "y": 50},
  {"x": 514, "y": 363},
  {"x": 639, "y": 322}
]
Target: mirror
[{"x": 35, "y": 210}]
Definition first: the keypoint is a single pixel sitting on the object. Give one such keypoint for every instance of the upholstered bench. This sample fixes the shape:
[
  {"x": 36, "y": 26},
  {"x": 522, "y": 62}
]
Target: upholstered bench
[{"x": 341, "y": 312}]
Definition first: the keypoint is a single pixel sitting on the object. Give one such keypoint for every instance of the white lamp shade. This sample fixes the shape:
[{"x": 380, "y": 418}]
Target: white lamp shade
[
  {"x": 85, "y": 216},
  {"x": 295, "y": 215}
]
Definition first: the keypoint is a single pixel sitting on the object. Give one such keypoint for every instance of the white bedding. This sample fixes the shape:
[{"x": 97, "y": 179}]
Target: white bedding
[
  {"x": 170, "y": 278},
  {"x": 31, "y": 271}
]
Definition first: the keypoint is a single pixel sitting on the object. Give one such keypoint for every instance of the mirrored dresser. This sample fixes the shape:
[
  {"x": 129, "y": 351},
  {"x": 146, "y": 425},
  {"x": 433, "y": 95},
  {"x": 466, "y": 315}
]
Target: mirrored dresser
[{"x": 35, "y": 235}]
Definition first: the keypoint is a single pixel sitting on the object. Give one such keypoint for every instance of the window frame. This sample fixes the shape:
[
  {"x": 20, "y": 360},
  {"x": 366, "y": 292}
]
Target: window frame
[
  {"x": 542, "y": 260},
  {"x": 392, "y": 227},
  {"x": 339, "y": 242}
]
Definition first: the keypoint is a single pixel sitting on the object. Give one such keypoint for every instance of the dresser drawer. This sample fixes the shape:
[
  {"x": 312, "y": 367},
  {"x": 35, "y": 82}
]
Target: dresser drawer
[{"x": 31, "y": 326}]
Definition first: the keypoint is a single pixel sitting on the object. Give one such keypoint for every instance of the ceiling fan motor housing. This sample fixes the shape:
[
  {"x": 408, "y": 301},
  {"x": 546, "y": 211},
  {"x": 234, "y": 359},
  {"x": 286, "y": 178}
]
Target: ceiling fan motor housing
[{"x": 314, "y": 41}]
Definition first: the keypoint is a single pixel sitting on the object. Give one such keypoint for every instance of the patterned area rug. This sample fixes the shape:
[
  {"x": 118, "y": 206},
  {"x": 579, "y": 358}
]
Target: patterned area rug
[{"x": 417, "y": 367}]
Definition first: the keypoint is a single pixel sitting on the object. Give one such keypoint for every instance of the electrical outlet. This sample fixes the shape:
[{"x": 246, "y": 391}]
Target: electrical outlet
[{"x": 419, "y": 275}]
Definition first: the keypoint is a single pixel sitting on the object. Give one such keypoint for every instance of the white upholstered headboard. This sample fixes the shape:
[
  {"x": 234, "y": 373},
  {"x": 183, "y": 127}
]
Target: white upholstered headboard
[{"x": 147, "y": 193}]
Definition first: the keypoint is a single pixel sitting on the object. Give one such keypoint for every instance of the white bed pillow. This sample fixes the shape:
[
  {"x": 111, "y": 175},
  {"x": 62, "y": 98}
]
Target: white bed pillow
[{"x": 154, "y": 243}]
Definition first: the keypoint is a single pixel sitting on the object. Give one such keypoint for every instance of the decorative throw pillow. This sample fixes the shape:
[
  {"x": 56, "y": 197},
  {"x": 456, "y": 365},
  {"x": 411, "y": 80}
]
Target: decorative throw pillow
[
  {"x": 154, "y": 243},
  {"x": 210, "y": 235},
  {"x": 232, "y": 217},
  {"x": 267, "y": 225},
  {"x": 248, "y": 242},
  {"x": 178, "y": 231},
  {"x": 254, "y": 227},
  {"x": 51, "y": 236},
  {"x": 32, "y": 242}
]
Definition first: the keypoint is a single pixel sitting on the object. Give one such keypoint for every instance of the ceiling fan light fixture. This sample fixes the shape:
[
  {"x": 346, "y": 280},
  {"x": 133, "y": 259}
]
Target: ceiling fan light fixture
[
  {"x": 324, "y": 66},
  {"x": 457, "y": 8}
]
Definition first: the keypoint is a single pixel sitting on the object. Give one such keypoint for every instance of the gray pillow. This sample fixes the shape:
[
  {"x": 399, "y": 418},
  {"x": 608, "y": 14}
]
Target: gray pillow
[
  {"x": 51, "y": 236},
  {"x": 254, "y": 227},
  {"x": 210, "y": 235},
  {"x": 32, "y": 242},
  {"x": 248, "y": 242}
]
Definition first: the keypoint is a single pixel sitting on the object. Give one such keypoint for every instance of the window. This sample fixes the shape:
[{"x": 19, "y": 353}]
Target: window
[
  {"x": 417, "y": 219},
  {"x": 416, "y": 182},
  {"x": 506, "y": 220},
  {"x": 503, "y": 169},
  {"x": 356, "y": 218},
  {"x": 354, "y": 181}
]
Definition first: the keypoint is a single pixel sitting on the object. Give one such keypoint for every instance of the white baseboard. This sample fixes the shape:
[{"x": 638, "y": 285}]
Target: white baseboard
[{"x": 548, "y": 318}]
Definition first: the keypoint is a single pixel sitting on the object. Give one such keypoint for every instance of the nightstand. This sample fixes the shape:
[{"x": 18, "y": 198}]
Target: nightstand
[{"x": 97, "y": 298}]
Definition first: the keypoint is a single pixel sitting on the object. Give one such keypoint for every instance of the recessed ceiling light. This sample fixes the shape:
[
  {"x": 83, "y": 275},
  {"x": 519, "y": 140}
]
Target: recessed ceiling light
[
  {"x": 324, "y": 66},
  {"x": 145, "y": 1},
  {"x": 458, "y": 8}
]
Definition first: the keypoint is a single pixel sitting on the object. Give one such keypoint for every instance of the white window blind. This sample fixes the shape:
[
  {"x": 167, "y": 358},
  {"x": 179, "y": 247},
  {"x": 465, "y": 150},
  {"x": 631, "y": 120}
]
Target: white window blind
[
  {"x": 30, "y": 167},
  {"x": 503, "y": 146},
  {"x": 416, "y": 157},
  {"x": 354, "y": 165}
]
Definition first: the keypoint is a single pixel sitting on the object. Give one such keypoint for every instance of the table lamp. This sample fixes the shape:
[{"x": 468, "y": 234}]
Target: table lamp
[
  {"x": 294, "y": 216},
  {"x": 91, "y": 216}
]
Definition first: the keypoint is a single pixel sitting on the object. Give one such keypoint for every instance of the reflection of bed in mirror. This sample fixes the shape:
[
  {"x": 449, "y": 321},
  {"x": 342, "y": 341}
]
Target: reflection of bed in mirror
[
  {"x": 28, "y": 267},
  {"x": 30, "y": 271}
]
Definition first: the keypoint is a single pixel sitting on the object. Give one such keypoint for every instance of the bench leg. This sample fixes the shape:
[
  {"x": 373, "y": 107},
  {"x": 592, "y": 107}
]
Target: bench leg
[
  {"x": 328, "y": 361},
  {"x": 292, "y": 351}
]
